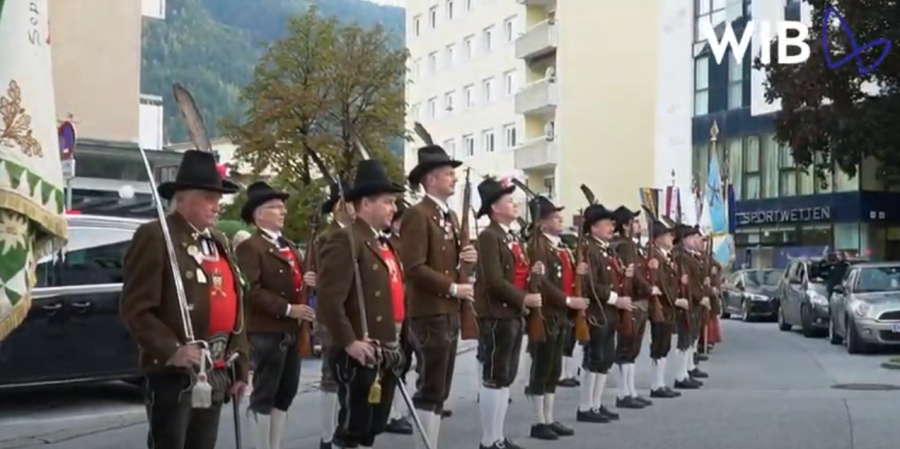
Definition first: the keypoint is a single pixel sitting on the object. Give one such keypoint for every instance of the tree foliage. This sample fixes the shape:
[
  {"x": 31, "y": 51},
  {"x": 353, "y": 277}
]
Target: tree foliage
[
  {"x": 211, "y": 46},
  {"x": 838, "y": 116},
  {"x": 305, "y": 87}
]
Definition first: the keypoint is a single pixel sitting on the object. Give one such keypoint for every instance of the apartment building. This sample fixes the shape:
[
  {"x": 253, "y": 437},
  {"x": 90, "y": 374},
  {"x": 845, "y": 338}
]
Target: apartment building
[
  {"x": 781, "y": 210},
  {"x": 463, "y": 79},
  {"x": 96, "y": 55}
]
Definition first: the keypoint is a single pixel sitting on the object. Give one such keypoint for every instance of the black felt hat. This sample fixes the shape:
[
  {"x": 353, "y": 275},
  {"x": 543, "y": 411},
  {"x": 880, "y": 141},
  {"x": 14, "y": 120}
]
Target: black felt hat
[
  {"x": 197, "y": 171},
  {"x": 661, "y": 227},
  {"x": 371, "y": 179},
  {"x": 258, "y": 194},
  {"x": 334, "y": 195},
  {"x": 429, "y": 158},
  {"x": 544, "y": 206},
  {"x": 623, "y": 215},
  {"x": 595, "y": 213},
  {"x": 490, "y": 190},
  {"x": 683, "y": 231}
]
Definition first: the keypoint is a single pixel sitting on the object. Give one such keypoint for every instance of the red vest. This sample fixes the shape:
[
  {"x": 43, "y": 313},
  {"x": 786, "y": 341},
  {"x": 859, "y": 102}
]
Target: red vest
[
  {"x": 521, "y": 270},
  {"x": 289, "y": 254},
  {"x": 617, "y": 272},
  {"x": 397, "y": 293},
  {"x": 568, "y": 274},
  {"x": 223, "y": 300}
]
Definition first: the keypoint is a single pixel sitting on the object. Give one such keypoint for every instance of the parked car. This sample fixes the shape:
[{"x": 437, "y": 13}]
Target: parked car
[
  {"x": 73, "y": 332},
  {"x": 865, "y": 308},
  {"x": 751, "y": 294},
  {"x": 803, "y": 294}
]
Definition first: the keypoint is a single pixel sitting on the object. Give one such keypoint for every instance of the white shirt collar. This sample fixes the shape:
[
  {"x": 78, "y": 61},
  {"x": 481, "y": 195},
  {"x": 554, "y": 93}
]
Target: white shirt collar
[
  {"x": 204, "y": 233},
  {"x": 505, "y": 228},
  {"x": 554, "y": 239},
  {"x": 271, "y": 235},
  {"x": 636, "y": 240},
  {"x": 442, "y": 205},
  {"x": 663, "y": 251},
  {"x": 603, "y": 243}
]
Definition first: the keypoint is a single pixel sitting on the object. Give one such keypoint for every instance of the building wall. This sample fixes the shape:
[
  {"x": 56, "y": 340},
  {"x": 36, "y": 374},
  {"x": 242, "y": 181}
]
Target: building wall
[
  {"x": 97, "y": 65},
  {"x": 607, "y": 64},
  {"x": 484, "y": 132}
]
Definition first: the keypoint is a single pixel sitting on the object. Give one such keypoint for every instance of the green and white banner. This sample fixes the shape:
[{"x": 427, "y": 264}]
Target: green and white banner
[{"x": 32, "y": 202}]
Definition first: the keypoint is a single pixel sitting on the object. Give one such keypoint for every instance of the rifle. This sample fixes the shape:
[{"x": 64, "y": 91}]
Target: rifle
[
  {"x": 468, "y": 319},
  {"x": 592, "y": 199},
  {"x": 656, "y": 310},
  {"x": 582, "y": 333},
  {"x": 304, "y": 345},
  {"x": 536, "y": 331},
  {"x": 626, "y": 288}
]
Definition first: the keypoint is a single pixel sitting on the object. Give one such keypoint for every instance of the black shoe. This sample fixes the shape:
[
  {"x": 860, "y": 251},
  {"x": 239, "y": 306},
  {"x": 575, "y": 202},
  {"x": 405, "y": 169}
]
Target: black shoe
[
  {"x": 561, "y": 429},
  {"x": 700, "y": 357},
  {"x": 568, "y": 383},
  {"x": 675, "y": 393},
  {"x": 510, "y": 444},
  {"x": 592, "y": 416},
  {"x": 543, "y": 432},
  {"x": 324, "y": 445},
  {"x": 687, "y": 384},
  {"x": 664, "y": 393},
  {"x": 695, "y": 381},
  {"x": 608, "y": 413},
  {"x": 628, "y": 402},
  {"x": 400, "y": 426},
  {"x": 697, "y": 374},
  {"x": 497, "y": 445},
  {"x": 446, "y": 413},
  {"x": 642, "y": 400}
]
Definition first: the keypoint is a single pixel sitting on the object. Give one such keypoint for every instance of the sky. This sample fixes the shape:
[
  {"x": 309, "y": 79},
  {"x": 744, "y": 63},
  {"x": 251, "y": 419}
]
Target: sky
[{"x": 400, "y": 3}]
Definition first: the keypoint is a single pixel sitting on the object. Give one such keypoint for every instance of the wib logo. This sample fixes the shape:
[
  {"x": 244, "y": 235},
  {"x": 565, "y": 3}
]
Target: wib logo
[{"x": 765, "y": 31}]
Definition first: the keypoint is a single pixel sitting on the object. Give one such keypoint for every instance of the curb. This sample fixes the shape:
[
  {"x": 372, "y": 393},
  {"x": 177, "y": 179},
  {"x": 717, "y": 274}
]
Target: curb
[
  {"x": 894, "y": 365},
  {"x": 70, "y": 434}
]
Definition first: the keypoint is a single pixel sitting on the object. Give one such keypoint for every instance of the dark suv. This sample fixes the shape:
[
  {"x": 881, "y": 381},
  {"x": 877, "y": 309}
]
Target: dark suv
[
  {"x": 804, "y": 294},
  {"x": 73, "y": 332}
]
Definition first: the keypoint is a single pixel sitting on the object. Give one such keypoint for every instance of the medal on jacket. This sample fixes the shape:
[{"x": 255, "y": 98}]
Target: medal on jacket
[
  {"x": 201, "y": 276},
  {"x": 217, "y": 283}
]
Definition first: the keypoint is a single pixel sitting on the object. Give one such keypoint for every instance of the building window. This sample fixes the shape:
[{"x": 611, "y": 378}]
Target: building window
[
  {"x": 509, "y": 83},
  {"x": 712, "y": 11},
  {"x": 752, "y": 169},
  {"x": 450, "y": 54},
  {"x": 469, "y": 94},
  {"x": 735, "y": 84},
  {"x": 417, "y": 25},
  {"x": 509, "y": 135},
  {"x": 734, "y": 166},
  {"x": 469, "y": 47},
  {"x": 787, "y": 170},
  {"x": 469, "y": 5},
  {"x": 487, "y": 88},
  {"x": 450, "y": 147},
  {"x": 414, "y": 111},
  {"x": 487, "y": 141},
  {"x": 770, "y": 173},
  {"x": 432, "y": 17},
  {"x": 449, "y": 9},
  {"x": 509, "y": 29},
  {"x": 448, "y": 101},
  {"x": 469, "y": 143},
  {"x": 432, "y": 62},
  {"x": 417, "y": 68},
  {"x": 488, "y": 39},
  {"x": 550, "y": 186},
  {"x": 701, "y": 86},
  {"x": 432, "y": 107}
]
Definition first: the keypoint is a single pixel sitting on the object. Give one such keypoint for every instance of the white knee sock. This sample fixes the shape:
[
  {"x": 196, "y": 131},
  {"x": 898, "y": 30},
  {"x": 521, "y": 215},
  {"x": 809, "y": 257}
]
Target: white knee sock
[
  {"x": 629, "y": 380},
  {"x": 501, "y": 416},
  {"x": 328, "y": 406},
  {"x": 566, "y": 368},
  {"x": 537, "y": 406},
  {"x": 549, "y": 400},
  {"x": 661, "y": 375},
  {"x": 622, "y": 391},
  {"x": 597, "y": 396},
  {"x": 429, "y": 422},
  {"x": 690, "y": 358},
  {"x": 680, "y": 364},
  {"x": 588, "y": 379},
  {"x": 490, "y": 406},
  {"x": 398, "y": 406},
  {"x": 656, "y": 366}
]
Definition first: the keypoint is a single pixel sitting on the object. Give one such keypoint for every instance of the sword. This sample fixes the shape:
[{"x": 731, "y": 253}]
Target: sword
[{"x": 235, "y": 403}]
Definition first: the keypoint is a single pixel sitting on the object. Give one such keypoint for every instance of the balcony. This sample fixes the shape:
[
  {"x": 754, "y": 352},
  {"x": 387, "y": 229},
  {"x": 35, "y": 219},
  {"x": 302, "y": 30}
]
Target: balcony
[
  {"x": 538, "y": 98},
  {"x": 537, "y": 154},
  {"x": 541, "y": 3},
  {"x": 539, "y": 40},
  {"x": 154, "y": 9}
]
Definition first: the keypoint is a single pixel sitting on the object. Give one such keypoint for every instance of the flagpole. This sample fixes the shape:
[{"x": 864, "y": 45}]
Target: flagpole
[{"x": 713, "y": 138}]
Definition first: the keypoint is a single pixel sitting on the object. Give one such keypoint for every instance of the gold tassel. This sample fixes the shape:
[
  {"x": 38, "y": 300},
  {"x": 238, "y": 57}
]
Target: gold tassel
[{"x": 375, "y": 390}]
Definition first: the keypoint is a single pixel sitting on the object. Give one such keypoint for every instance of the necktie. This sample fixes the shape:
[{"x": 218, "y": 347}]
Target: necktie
[{"x": 282, "y": 242}]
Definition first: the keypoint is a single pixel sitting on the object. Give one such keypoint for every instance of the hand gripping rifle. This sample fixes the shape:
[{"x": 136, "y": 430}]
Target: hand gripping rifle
[
  {"x": 468, "y": 318},
  {"x": 656, "y": 310},
  {"x": 592, "y": 199},
  {"x": 304, "y": 345},
  {"x": 536, "y": 330},
  {"x": 582, "y": 333},
  {"x": 375, "y": 390}
]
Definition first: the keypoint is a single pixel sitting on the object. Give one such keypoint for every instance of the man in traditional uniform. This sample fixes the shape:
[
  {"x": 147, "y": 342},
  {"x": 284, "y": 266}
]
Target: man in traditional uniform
[
  {"x": 184, "y": 403},
  {"x": 500, "y": 301},
  {"x": 275, "y": 310},
  {"x": 688, "y": 329},
  {"x": 712, "y": 333},
  {"x": 431, "y": 257},
  {"x": 558, "y": 291},
  {"x": 628, "y": 248},
  {"x": 341, "y": 214},
  {"x": 602, "y": 286},
  {"x": 365, "y": 351},
  {"x": 399, "y": 422},
  {"x": 663, "y": 308}
]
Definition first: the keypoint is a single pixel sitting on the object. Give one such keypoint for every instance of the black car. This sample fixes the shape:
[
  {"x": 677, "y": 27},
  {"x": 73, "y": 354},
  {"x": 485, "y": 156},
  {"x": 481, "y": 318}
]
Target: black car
[
  {"x": 751, "y": 294},
  {"x": 73, "y": 332}
]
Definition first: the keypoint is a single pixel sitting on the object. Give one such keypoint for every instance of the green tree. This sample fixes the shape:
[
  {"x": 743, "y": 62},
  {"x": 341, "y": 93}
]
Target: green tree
[
  {"x": 833, "y": 117},
  {"x": 306, "y": 86}
]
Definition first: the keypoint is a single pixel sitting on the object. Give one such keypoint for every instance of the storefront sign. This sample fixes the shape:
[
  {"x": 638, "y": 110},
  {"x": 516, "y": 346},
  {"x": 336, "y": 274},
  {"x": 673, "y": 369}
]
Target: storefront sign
[{"x": 798, "y": 215}]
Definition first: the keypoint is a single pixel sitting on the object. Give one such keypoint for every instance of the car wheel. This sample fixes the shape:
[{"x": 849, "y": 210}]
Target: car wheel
[
  {"x": 745, "y": 311},
  {"x": 806, "y": 322},
  {"x": 855, "y": 345},
  {"x": 783, "y": 325},
  {"x": 833, "y": 336},
  {"x": 725, "y": 314}
]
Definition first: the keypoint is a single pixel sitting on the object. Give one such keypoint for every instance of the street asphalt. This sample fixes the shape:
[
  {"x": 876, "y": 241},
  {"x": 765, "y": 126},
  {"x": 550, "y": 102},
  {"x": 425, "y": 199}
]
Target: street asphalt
[{"x": 768, "y": 390}]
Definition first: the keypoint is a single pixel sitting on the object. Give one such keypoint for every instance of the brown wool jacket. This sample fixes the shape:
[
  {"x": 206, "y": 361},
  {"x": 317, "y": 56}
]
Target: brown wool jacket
[
  {"x": 271, "y": 285},
  {"x": 149, "y": 305},
  {"x": 496, "y": 295},
  {"x": 601, "y": 283}
]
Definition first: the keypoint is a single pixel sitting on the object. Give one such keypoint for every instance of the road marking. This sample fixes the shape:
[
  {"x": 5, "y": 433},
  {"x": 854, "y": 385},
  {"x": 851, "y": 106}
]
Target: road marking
[{"x": 81, "y": 417}]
